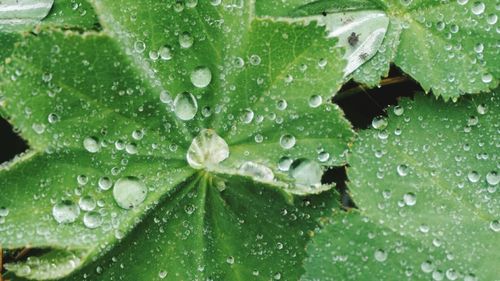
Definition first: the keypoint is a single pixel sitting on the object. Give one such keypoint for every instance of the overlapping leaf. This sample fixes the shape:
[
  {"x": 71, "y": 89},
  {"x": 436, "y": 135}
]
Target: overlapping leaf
[
  {"x": 116, "y": 106},
  {"x": 449, "y": 47},
  {"x": 427, "y": 189}
]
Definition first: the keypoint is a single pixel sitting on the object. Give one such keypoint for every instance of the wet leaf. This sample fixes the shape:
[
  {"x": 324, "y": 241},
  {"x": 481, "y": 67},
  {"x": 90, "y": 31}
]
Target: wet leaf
[
  {"x": 426, "y": 184},
  {"x": 449, "y": 47},
  {"x": 194, "y": 112}
]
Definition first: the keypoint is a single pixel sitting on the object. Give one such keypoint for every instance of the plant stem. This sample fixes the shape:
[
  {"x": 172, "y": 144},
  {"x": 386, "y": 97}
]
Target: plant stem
[
  {"x": 22, "y": 254},
  {"x": 360, "y": 88}
]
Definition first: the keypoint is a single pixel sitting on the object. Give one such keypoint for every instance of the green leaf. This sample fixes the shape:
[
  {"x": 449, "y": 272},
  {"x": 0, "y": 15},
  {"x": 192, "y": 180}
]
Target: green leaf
[
  {"x": 168, "y": 103},
  {"x": 449, "y": 47},
  {"x": 426, "y": 186}
]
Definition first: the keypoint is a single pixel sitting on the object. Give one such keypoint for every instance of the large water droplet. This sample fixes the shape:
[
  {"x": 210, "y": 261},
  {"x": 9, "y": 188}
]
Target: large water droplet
[
  {"x": 185, "y": 106},
  {"x": 207, "y": 150},
  {"x": 257, "y": 171},
  {"x": 492, "y": 178},
  {"x": 402, "y": 170},
  {"x": 306, "y": 172},
  {"x": 201, "y": 77},
  {"x": 129, "y": 192},
  {"x": 65, "y": 211},
  {"x": 186, "y": 40},
  {"x": 91, "y": 144}
]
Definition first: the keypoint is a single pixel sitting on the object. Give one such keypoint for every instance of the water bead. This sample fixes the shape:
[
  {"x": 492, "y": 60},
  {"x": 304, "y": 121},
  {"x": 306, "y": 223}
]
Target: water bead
[
  {"x": 129, "y": 192},
  {"x": 65, "y": 212}
]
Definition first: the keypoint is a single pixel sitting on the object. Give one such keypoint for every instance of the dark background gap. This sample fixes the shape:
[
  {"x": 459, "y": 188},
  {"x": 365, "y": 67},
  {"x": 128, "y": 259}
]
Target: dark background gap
[{"x": 12, "y": 144}]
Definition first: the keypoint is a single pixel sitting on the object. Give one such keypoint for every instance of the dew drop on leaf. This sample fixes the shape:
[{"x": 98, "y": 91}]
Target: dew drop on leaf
[
  {"x": 186, "y": 40},
  {"x": 402, "y": 170},
  {"x": 129, "y": 192},
  {"x": 306, "y": 172},
  {"x": 87, "y": 203},
  {"x": 92, "y": 219},
  {"x": 201, "y": 77},
  {"x": 91, "y": 144},
  {"x": 105, "y": 183},
  {"x": 165, "y": 52},
  {"x": 162, "y": 274},
  {"x": 495, "y": 225},
  {"x": 285, "y": 163},
  {"x": 257, "y": 171},
  {"x": 380, "y": 255},
  {"x": 478, "y": 8},
  {"x": 473, "y": 176},
  {"x": 247, "y": 116},
  {"x": 379, "y": 123},
  {"x": 492, "y": 178},
  {"x": 287, "y": 141},
  {"x": 4, "y": 211},
  {"x": 65, "y": 211},
  {"x": 410, "y": 199},
  {"x": 207, "y": 150},
  {"x": 185, "y": 106},
  {"x": 139, "y": 46},
  {"x": 315, "y": 101}
]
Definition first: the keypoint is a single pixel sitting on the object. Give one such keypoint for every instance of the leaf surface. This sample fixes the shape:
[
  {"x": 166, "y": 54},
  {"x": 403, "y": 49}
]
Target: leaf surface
[
  {"x": 427, "y": 190},
  {"x": 110, "y": 114}
]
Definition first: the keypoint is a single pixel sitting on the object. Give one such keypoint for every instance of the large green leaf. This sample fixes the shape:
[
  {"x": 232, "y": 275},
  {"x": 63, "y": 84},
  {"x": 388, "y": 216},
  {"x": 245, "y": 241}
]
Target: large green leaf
[
  {"x": 154, "y": 104},
  {"x": 427, "y": 189},
  {"x": 449, "y": 47}
]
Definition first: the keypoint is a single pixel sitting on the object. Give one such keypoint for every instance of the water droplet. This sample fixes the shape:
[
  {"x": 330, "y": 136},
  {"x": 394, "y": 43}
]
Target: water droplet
[
  {"x": 487, "y": 78},
  {"x": 380, "y": 255},
  {"x": 478, "y": 8},
  {"x": 65, "y": 212},
  {"x": 162, "y": 274},
  {"x": 247, "y": 116},
  {"x": 207, "y": 150},
  {"x": 139, "y": 46},
  {"x": 105, "y": 183},
  {"x": 398, "y": 110},
  {"x": 462, "y": 2},
  {"x": 186, "y": 40},
  {"x": 281, "y": 105},
  {"x": 482, "y": 109},
  {"x": 495, "y": 225},
  {"x": 315, "y": 101},
  {"x": 410, "y": 199},
  {"x": 185, "y": 106},
  {"x": 191, "y": 3},
  {"x": 129, "y": 192},
  {"x": 287, "y": 141},
  {"x": 492, "y": 178},
  {"x": 473, "y": 176},
  {"x": 201, "y": 77},
  {"x": 166, "y": 98},
  {"x": 166, "y": 52},
  {"x": 257, "y": 171},
  {"x": 87, "y": 203},
  {"x": 427, "y": 266},
  {"x": 402, "y": 170},
  {"x": 91, "y": 144},
  {"x": 92, "y": 219},
  {"x": 53, "y": 118},
  {"x": 306, "y": 172},
  {"x": 82, "y": 179},
  {"x": 230, "y": 260},
  {"x": 255, "y": 60},
  {"x": 38, "y": 128},
  {"x": 4, "y": 212},
  {"x": 379, "y": 123},
  {"x": 285, "y": 163}
]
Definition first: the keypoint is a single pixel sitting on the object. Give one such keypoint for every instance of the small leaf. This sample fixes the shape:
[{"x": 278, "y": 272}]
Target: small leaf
[{"x": 425, "y": 181}]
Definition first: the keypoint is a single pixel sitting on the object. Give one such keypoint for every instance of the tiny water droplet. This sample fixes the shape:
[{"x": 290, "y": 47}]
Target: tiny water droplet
[
  {"x": 186, "y": 40},
  {"x": 87, "y": 203},
  {"x": 105, "y": 183},
  {"x": 379, "y": 123},
  {"x": 492, "y": 178},
  {"x": 315, "y": 101},
  {"x": 166, "y": 52},
  {"x": 402, "y": 170},
  {"x": 473, "y": 176},
  {"x": 410, "y": 199},
  {"x": 495, "y": 225}
]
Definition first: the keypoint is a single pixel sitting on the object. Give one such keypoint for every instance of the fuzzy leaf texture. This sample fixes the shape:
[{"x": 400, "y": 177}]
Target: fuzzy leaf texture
[
  {"x": 169, "y": 140},
  {"x": 426, "y": 185}
]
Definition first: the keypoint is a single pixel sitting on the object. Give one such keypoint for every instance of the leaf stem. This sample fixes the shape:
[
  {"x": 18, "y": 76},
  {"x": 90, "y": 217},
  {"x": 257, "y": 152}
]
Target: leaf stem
[{"x": 360, "y": 88}]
